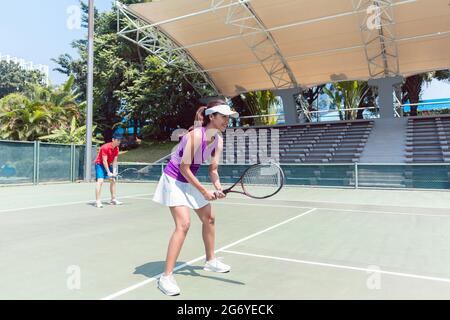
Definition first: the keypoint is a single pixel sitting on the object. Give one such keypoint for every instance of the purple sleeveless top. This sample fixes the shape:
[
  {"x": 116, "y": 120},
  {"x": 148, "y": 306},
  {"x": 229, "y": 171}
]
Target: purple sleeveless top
[{"x": 201, "y": 155}]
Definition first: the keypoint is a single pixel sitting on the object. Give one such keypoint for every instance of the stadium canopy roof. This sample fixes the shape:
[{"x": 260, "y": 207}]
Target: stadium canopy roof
[{"x": 244, "y": 45}]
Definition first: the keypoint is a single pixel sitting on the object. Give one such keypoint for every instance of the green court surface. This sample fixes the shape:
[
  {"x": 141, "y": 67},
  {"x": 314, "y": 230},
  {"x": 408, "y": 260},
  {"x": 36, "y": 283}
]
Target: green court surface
[{"x": 304, "y": 243}]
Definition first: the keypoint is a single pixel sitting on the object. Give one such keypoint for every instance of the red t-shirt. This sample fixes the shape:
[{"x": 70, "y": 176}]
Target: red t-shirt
[{"x": 107, "y": 150}]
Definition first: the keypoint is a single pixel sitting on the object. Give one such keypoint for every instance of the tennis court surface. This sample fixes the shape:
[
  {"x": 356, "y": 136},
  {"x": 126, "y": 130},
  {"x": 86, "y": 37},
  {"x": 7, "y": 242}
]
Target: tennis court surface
[{"x": 304, "y": 243}]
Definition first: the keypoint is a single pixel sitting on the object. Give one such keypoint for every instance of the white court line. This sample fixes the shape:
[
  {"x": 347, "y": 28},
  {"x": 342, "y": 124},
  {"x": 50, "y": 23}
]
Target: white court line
[
  {"x": 143, "y": 283},
  {"x": 334, "y": 209},
  {"x": 367, "y": 270},
  {"x": 140, "y": 198},
  {"x": 358, "y": 204},
  {"x": 140, "y": 284},
  {"x": 226, "y": 202},
  {"x": 68, "y": 203}
]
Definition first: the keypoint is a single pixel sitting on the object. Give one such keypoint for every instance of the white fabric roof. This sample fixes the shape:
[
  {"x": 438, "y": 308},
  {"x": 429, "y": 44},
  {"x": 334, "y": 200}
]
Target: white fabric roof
[{"x": 320, "y": 40}]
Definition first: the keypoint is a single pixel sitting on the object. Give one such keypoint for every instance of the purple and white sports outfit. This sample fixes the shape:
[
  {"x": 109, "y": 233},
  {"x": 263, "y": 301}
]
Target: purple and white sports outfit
[{"x": 173, "y": 189}]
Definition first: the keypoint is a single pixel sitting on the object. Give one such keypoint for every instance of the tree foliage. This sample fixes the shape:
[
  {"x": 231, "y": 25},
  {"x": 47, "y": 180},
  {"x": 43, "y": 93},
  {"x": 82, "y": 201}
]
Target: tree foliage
[
  {"x": 347, "y": 96},
  {"x": 70, "y": 134},
  {"x": 130, "y": 85},
  {"x": 28, "y": 116},
  {"x": 413, "y": 86},
  {"x": 14, "y": 79}
]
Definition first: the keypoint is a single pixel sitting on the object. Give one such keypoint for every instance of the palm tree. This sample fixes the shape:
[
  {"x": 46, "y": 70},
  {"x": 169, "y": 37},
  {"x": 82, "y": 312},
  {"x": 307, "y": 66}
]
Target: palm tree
[
  {"x": 20, "y": 119},
  {"x": 261, "y": 103},
  {"x": 353, "y": 92},
  {"x": 71, "y": 134},
  {"x": 62, "y": 102},
  {"x": 412, "y": 87},
  {"x": 347, "y": 95},
  {"x": 43, "y": 109},
  {"x": 336, "y": 99}
]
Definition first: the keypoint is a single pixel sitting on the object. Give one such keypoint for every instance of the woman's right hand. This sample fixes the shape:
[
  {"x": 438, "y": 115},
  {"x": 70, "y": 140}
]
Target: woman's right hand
[{"x": 209, "y": 195}]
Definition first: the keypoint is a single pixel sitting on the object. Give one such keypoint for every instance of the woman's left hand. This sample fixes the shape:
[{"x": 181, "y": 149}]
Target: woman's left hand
[{"x": 220, "y": 194}]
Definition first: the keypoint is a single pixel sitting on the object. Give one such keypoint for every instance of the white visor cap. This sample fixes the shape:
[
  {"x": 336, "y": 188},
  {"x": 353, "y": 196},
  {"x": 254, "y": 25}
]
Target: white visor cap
[{"x": 222, "y": 109}]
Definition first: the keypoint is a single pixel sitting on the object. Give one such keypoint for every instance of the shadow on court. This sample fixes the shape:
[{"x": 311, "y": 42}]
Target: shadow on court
[
  {"x": 107, "y": 204},
  {"x": 153, "y": 269}
]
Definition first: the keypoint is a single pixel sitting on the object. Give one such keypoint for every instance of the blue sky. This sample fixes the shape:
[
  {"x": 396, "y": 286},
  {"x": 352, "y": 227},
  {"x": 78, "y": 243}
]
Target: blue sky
[
  {"x": 40, "y": 33},
  {"x": 37, "y": 31},
  {"x": 436, "y": 90}
]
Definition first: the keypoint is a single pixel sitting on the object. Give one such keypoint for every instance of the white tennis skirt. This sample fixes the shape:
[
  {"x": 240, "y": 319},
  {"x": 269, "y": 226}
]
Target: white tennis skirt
[{"x": 173, "y": 193}]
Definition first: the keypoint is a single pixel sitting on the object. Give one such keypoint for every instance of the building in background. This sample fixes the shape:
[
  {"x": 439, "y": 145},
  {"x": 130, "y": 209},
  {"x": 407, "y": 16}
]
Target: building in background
[{"x": 28, "y": 65}]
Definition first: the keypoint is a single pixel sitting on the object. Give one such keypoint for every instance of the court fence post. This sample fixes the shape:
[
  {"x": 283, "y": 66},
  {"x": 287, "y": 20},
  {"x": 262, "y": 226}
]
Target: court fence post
[
  {"x": 35, "y": 162},
  {"x": 72, "y": 162},
  {"x": 356, "y": 175},
  {"x": 38, "y": 147}
]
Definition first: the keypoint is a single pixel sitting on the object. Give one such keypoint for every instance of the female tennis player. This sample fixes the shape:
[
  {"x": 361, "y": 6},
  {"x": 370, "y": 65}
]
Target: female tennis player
[{"x": 180, "y": 190}]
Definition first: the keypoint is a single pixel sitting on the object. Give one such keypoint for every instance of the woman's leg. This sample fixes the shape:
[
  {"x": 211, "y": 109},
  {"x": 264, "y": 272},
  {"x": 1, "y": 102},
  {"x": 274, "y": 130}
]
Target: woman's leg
[
  {"x": 182, "y": 223},
  {"x": 208, "y": 230}
]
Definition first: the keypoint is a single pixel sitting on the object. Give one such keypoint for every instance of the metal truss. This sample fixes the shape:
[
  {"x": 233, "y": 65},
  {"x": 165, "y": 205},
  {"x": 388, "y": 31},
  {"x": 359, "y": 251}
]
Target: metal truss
[
  {"x": 137, "y": 30},
  {"x": 262, "y": 44},
  {"x": 216, "y": 4},
  {"x": 379, "y": 43},
  {"x": 378, "y": 36}
]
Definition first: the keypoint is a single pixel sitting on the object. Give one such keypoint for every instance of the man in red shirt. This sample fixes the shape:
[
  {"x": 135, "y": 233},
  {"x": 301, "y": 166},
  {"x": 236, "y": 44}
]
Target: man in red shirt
[{"x": 104, "y": 164}]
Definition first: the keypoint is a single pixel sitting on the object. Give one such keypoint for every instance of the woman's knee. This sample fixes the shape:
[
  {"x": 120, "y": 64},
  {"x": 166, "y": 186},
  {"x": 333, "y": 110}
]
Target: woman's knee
[
  {"x": 181, "y": 218},
  {"x": 206, "y": 215},
  {"x": 184, "y": 226},
  {"x": 209, "y": 219}
]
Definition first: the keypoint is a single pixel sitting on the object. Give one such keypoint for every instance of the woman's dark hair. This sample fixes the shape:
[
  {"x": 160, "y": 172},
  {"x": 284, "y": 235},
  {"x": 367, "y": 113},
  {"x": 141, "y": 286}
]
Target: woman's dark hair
[
  {"x": 211, "y": 104},
  {"x": 199, "y": 116}
]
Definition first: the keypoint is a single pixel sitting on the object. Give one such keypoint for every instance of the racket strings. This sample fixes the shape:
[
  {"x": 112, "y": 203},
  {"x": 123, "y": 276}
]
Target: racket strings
[
  {"x": 129, "y": 173},
  {"x": 262, "y": 181}
]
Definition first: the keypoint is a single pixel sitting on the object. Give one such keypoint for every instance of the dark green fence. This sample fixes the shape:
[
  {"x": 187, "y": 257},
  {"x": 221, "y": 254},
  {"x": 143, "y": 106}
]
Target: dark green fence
[
  {"x": 35, "y": 162},
  {"x": 400, "y": 176}
]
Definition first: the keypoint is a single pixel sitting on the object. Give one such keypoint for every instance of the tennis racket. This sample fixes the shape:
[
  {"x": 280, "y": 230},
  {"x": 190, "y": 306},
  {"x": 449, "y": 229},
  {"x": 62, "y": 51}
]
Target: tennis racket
[
  {"x": 131, "y": 174},
  {"x": 259, "y": 181}
]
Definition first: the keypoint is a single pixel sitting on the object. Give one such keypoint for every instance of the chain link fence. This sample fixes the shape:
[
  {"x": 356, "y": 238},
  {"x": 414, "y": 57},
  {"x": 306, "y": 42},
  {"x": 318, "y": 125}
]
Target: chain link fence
[
  {"x": 37, "y": 162},
  {"x": 398, "y": 176}
]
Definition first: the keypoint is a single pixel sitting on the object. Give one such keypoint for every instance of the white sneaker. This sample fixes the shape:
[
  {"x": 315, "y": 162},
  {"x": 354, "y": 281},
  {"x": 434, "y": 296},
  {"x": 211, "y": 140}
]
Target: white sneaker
[
  {"x": 168, "y": 285},
  {"x": 98, "y": 204},
  {"x": 116, "y": 202},
  {"x": 215, "y": 265}
]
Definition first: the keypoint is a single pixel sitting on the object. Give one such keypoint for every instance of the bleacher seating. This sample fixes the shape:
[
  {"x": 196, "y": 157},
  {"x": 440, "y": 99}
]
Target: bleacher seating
[
  {"x": 340, "y": 142},
  {"x": 427, "y": 140}
]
